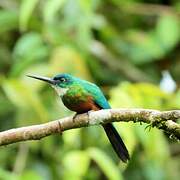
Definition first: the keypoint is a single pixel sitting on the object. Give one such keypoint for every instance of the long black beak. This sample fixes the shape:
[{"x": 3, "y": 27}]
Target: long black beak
[{"x": 48, "y": 80}]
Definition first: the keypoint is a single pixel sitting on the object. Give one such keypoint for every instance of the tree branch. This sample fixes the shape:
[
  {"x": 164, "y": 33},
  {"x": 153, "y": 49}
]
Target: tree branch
[
  {"x": 148, "y": 9},
  {"x": 165, "y": 120},
  {"x": 105, "y": 56}
]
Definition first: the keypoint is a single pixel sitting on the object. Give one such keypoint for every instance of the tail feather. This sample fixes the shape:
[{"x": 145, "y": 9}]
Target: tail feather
[{"x": 116, "y": 142}]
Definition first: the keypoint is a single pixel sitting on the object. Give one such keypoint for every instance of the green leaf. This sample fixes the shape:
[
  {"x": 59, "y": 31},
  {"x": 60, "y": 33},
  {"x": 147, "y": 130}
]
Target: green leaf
[
  {"x": 8, "y": 20},
  {"x": 26, "y": 10},
  {"x": 106, "y": 164},
  {"x": 153, "y": 45},
  {"x": 175, "y": 100},
  {"x": 29, "y": 175},
  {"x": 29, "y": 48},
  {"x": 139, "y": 95},
  {"x": 72, "y": 138},
  {"x": 144, "y": 47},
  {"x": 50, "y": 9},
  {"x": 76, "y": 164},
  {"x": 24, "y": 98},
  {"x": 27, "y": 45},
  {"x": 63, "y": 55},
  {"x": 6, "y": 175},
  {"x": 168, "y": 31},
  {"x": 154, "y": 144}
]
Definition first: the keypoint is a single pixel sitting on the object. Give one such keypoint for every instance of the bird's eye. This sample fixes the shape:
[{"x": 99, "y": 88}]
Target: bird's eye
[{"x": 62, "y": 80}]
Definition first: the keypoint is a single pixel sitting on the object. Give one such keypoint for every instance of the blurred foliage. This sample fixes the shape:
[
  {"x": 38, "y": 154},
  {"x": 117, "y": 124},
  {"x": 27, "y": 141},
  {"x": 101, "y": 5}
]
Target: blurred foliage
[{"x": 121, "y": 45}]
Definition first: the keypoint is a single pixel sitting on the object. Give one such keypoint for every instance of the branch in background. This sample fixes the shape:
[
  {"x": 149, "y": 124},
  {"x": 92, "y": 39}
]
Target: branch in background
[
  {"x": 162, "y": 120},
  {"x": 148, "y": 9},
  {"x": 104, "y": 56}
]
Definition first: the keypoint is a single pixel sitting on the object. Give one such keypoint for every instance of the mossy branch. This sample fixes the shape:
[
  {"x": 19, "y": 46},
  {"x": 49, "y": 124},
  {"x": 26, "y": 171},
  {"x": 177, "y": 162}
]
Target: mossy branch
[{"x": 165, "y": 120}]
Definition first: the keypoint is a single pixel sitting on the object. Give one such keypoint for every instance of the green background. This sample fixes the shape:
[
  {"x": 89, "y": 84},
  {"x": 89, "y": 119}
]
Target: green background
[{"x": 121, "y": 45}]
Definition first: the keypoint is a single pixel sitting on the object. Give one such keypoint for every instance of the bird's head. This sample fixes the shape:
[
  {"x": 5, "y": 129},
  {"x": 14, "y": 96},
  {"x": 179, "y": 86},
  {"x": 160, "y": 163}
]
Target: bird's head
[
  {"x": 60, "y": 82},
  {"x": 63, "y": 80}
]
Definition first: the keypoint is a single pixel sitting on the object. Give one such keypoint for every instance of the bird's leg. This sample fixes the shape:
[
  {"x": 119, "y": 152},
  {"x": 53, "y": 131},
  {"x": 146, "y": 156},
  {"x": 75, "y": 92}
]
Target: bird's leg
[{"x": 74, "y": 117}]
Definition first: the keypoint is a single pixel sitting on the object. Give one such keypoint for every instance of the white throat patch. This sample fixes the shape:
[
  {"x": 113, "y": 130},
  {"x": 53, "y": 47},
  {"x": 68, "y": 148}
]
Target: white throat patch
[{"x": 60, "y": 91}]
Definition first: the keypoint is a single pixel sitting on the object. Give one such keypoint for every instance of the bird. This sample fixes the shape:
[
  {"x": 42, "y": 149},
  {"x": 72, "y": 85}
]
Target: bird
[{"x": 82, "y": 96}]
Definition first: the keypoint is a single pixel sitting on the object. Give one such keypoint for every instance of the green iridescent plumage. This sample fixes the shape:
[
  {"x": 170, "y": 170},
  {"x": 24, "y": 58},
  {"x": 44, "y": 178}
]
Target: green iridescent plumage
[{"x": 80, "y": 90}]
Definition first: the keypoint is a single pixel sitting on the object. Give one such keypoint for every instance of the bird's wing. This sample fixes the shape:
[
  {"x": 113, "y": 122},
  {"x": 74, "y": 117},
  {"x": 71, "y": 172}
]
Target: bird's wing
[{"x": 97, "y": 95}]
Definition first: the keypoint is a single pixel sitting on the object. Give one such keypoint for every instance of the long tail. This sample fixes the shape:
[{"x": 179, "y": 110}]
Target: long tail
[{"x": 116, "y": 142}]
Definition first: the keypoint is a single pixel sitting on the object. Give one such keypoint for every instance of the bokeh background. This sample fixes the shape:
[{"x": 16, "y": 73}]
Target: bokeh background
[{"x": 130, "y": 48}]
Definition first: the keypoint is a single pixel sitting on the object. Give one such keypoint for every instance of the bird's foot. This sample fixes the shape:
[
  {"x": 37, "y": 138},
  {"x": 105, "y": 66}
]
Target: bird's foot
[{"x": 74, "y": 117}]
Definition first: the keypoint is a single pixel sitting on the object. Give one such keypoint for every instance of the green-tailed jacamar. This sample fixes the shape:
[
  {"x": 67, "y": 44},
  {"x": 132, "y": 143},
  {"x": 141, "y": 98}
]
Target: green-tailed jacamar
[{"x": 82, "y": 96}]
